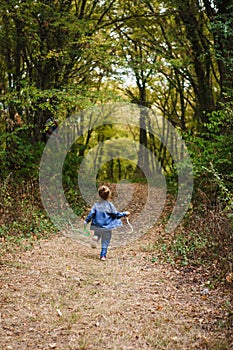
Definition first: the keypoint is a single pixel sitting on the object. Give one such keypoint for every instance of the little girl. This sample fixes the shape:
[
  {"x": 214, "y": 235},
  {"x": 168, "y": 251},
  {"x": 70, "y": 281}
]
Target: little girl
[{"x": 104, "y": 218}]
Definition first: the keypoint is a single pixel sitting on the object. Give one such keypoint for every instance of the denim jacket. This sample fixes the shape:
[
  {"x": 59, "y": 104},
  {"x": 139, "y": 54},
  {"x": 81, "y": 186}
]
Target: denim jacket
[{"x": 103, "y": 215}]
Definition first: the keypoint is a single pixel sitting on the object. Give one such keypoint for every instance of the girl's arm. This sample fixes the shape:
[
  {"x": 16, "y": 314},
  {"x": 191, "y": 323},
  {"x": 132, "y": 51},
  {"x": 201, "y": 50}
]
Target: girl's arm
[
  {"x": 117, "y": 214},
  {"x": 90, "y": 215}
]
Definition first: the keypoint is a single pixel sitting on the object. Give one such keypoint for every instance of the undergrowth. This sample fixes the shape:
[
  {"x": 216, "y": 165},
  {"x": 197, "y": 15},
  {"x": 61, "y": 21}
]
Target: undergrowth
[
  {"x": 205, "y": 238},
  {"x": 23, "y": 219}
]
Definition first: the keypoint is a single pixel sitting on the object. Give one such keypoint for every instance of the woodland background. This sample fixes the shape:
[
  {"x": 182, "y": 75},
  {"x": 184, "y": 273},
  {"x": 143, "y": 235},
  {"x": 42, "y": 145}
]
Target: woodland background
[{"x": 58, "y": 58}]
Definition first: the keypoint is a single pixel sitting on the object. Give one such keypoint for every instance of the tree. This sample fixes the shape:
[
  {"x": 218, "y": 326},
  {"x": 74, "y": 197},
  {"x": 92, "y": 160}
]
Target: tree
[
  {"x": 54, "y": 52},
  {"x": 219, "y": 14}
]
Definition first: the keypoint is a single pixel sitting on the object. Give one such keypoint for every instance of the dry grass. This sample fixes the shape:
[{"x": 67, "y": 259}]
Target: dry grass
[{"x": 60, "y": 296}]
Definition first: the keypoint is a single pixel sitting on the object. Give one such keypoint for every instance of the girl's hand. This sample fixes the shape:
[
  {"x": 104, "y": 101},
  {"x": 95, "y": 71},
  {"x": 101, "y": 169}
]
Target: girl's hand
[{"x": 127, "y": 213}]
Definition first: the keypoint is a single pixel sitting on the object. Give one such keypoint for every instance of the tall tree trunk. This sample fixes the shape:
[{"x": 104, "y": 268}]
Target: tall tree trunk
[{"x": 195, "y": 26}]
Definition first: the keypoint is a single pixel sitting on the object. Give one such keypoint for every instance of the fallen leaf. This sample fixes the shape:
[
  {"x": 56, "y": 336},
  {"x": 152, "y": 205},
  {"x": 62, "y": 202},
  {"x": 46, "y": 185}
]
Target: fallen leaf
[
  {"x": 229, "y": 277},
  {"x": 59, "y": 312}
]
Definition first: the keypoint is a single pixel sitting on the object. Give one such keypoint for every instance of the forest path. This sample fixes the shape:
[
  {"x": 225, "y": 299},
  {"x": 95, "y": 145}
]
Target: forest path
[{"x": 59, "y": 295}]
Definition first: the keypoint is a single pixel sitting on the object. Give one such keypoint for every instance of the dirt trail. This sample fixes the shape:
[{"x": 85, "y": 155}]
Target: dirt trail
[{"x": 61, "y": 296}]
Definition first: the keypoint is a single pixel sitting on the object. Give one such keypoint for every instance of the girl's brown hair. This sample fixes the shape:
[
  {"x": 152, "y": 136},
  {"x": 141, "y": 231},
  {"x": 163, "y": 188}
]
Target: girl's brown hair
[{"x": 104, "y": 192}]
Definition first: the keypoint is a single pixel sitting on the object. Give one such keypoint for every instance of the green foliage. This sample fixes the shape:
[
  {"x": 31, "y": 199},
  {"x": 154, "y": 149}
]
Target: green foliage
[
  {"x": 211, "y": 153},
  {"x": 20, "y": 155},
  {"x": 189, "y": 247}
]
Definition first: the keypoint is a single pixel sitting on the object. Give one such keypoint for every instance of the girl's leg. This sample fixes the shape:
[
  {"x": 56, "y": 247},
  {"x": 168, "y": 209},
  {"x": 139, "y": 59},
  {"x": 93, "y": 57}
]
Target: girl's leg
[
  {"x": 106, "y": 238},
  {"x": 95, "y": 239},
  {"x": 97, "y": 234}
]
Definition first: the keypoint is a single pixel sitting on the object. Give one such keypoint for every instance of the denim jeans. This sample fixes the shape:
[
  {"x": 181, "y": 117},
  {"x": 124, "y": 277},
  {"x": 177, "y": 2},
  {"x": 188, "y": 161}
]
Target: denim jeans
[{"x": 105, "y": 236}]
